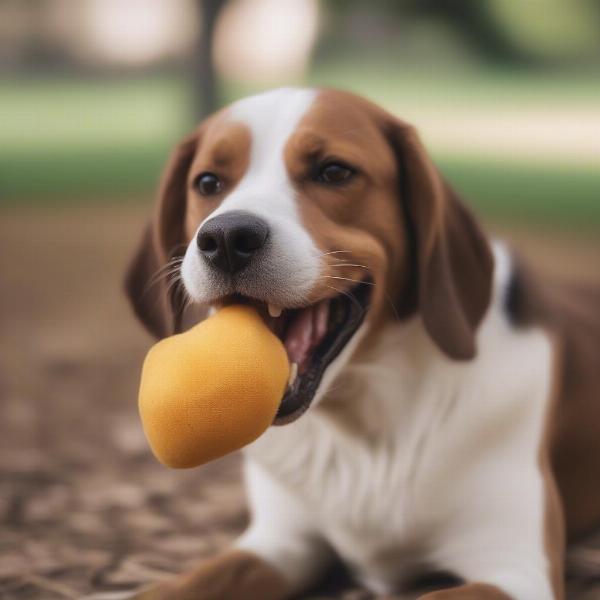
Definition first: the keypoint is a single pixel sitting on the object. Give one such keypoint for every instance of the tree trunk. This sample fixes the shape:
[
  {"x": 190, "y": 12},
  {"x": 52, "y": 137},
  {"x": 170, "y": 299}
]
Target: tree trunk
[{"x": 205, "y": 88}]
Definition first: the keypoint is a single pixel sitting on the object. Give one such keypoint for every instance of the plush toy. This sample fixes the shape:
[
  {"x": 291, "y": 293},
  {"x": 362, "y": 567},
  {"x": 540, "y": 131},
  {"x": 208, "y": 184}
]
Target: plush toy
[{"x": 212, "y": 389}]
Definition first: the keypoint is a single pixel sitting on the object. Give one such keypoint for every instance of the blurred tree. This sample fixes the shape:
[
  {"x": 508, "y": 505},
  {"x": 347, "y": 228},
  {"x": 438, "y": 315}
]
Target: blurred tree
[
  {"x": 558, "y": 32},
  {"x": 39, "y": 51},
  {"x": 205, "y": 91},
  {"x": 478, "y": 23}
]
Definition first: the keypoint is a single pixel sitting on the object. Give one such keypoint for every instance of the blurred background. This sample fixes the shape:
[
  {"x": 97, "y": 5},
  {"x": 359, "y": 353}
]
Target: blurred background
[{"x": 94, "y": 93}]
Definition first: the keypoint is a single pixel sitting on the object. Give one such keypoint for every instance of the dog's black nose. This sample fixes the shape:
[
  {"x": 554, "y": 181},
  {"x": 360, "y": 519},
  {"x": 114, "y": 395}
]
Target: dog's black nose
[{"x": 230, "y": 240}]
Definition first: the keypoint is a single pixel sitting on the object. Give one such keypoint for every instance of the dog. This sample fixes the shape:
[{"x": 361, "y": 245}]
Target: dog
[{"x": 445, "y": 416}]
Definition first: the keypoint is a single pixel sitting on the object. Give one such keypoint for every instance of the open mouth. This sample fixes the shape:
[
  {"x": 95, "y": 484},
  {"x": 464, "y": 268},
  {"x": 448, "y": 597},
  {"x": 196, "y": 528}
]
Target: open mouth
[{"x": 313, "y": 337}]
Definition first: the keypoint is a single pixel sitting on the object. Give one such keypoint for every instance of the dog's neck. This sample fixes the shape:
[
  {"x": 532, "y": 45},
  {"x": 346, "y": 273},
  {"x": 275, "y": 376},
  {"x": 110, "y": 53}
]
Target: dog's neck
[
  {"x": 368, "y": 401},
  {"x": 390, "y": 386},
  {"x": 364, "y": 397}
]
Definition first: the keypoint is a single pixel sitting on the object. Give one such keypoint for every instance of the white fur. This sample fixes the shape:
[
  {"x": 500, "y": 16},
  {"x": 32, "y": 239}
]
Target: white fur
[
  {"x": 437, "y": 467},
  {"x": 291, "y": 264}
]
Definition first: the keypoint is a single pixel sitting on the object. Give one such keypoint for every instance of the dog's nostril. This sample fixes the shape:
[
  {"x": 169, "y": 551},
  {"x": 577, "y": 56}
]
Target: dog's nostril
[
  {"x": 207, "y": 243},
  {"x": 247, "y": 242}
]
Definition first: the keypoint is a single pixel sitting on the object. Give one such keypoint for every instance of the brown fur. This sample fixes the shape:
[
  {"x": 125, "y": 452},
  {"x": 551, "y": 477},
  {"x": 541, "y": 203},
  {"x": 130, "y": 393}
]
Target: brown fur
[
  {"x": 571, "y": 312},
  {"x": 235, "y": 575},
  {"x": 396, "y": 216},
  {"x": 225, "y": 150},
  {"x": 163, "y": 240},
  {"x": 575, "y": 316},
  {"x": 472, "y": 591}
]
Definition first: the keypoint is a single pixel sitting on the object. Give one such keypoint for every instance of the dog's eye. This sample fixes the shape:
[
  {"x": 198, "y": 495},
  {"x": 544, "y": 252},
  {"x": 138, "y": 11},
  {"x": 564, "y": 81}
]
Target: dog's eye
[
  {"x": 208, "y": 184},
  {"x": 334, "y": 173}
]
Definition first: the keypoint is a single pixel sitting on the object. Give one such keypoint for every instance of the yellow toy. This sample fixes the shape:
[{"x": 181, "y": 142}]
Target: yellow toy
[{"x": 212, "y": 389}]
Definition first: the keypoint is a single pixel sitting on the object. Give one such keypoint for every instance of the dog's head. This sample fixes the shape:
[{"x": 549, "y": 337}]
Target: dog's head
[{"x": 322, "y": 207}]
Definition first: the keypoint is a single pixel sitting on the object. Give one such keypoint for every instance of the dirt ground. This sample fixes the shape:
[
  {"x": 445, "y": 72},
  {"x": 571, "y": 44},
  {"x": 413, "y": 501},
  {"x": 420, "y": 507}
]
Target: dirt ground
[{"x": 83, "y": 505}]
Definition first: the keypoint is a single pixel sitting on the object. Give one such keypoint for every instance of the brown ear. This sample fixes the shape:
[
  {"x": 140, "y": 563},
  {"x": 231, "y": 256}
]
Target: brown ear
[
  {"x": 155, "y": 302},
  {"x": 453, "y": 260}
]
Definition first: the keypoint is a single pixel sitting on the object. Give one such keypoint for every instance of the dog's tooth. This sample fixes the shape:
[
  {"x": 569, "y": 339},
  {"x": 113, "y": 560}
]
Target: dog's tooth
[
  {"x": 274, "y": 310},
  {"x": 293, "y": 374}
]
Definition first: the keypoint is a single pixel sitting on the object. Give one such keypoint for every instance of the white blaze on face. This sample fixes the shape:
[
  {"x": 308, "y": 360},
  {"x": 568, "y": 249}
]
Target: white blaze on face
[{"x": 288, "y": 267}]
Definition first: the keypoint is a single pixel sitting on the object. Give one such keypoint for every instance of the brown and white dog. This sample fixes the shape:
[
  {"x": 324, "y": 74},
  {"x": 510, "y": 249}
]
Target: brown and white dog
[{"x": 452, "y": 408}]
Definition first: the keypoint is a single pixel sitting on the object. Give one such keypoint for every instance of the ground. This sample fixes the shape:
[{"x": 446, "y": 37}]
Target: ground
[{"x": 83, "y": 505}]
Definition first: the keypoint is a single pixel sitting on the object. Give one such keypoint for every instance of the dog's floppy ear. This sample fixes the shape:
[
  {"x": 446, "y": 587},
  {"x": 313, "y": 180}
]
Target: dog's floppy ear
[
  {"x": 453, "y": 260},
  {"x": 146, "y": 283}
]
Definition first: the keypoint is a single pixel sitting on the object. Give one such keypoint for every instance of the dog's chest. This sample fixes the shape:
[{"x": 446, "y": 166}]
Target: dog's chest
[
  {"x": 402, "y": 446},
  {"x": 374, "y": 496},
  {"x": 367, "y": 498}
]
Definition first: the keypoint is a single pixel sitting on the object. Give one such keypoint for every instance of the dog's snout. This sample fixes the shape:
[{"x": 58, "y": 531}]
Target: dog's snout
[{"x": 229, "y": 241}]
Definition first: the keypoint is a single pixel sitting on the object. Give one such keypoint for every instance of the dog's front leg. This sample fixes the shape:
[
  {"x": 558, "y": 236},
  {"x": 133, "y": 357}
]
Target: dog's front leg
[
  {"x": 280, "y": 554},
  {"x": 283, "y": 531},
  {"x": 233, "y": 575}
]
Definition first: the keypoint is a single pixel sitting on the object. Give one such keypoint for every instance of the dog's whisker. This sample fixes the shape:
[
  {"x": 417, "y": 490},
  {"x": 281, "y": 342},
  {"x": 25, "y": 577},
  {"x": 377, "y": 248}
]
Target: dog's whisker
[
  {"x": 348, "y": 279},
  {"x": 393, "y": 305},
  {"x": 158, "y": 274},
  {"x": 174, "y": 283},
  {"x": 336, "y": 252},
  {"x": 180, "y": 298},
  {"x": 173, "y": 265},
  {"x": 349, "y": 265},
  {"x": 173, "y": 270},
  {"x": 160, "y": 279}
]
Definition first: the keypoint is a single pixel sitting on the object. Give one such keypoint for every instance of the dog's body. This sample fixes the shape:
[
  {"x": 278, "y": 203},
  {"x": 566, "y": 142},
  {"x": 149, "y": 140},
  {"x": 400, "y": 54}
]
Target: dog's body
[
  {"x": 421, "y": 464},
  {"x": 458, "y": 429}
]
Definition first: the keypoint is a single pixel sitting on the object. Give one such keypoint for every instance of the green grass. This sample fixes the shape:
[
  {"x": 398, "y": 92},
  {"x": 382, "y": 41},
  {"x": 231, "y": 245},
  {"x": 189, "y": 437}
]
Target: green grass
[
  {"x": 66, "y": 140},
  {"x": 396, "y": 85},
  {"x": 79, "y": 141},
  {"x": 62, "y": 113},
  {"x": 66, "y": 175},
  {"x": 536, "y": 194}
]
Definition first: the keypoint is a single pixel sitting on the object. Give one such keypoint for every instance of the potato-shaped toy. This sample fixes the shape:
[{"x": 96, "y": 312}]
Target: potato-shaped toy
[{"x": 212, "y": 389}]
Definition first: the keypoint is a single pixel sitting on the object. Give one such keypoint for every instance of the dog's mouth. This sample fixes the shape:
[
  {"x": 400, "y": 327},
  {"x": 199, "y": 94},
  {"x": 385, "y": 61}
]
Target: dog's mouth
[{"x": 313, "y": 337}]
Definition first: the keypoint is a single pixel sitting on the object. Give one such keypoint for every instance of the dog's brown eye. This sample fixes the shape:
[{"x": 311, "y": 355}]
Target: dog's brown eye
[
  {"x": 208, "y": 184},
  {"x": 335, "y": 173}
]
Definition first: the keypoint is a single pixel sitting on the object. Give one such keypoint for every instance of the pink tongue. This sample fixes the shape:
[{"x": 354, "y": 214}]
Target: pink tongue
[{"x": 305, "y": 333}]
